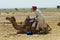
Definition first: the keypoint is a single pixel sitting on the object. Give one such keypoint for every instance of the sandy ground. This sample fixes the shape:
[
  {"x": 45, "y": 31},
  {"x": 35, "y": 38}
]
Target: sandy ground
[{"x": 7, "y": 32}]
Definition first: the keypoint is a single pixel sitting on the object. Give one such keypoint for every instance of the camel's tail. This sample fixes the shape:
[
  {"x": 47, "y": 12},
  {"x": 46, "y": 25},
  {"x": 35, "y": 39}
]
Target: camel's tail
[{"x": 49, "y": 28}]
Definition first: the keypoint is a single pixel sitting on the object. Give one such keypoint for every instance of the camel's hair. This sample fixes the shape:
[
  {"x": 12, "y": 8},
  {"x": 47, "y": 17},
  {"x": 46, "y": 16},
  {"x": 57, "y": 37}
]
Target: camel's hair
[{"x": 22, "y": 28}]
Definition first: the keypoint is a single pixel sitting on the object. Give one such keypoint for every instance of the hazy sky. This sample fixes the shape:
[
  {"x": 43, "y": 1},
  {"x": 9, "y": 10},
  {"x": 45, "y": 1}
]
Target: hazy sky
[{"x": 28, "y": 3}]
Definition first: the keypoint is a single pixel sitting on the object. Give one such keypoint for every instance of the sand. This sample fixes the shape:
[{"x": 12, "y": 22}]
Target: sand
[{"x": 7, "y": 32}]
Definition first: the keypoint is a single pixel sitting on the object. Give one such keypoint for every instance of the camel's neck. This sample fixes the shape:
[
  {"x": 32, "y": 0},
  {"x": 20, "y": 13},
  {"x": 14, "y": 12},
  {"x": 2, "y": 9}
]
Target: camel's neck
[{"x": 14, "y": 23}]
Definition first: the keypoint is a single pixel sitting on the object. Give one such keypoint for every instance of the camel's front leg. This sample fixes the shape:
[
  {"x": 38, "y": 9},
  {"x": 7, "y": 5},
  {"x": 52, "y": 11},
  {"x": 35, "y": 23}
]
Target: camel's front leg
[{"x": 21, "y": 31}]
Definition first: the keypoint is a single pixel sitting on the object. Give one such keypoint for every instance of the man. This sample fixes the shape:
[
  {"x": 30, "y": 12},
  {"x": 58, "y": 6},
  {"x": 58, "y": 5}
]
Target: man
[{"x": 40, "y": 18}]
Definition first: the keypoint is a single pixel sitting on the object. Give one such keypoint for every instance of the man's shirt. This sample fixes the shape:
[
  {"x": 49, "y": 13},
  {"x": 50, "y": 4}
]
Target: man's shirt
[{"x": 39, "y": 13}]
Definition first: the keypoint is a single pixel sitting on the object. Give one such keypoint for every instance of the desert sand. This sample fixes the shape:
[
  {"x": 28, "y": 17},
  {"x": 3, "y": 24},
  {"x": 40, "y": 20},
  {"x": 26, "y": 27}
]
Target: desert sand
[{"x": 7, "y": 32}]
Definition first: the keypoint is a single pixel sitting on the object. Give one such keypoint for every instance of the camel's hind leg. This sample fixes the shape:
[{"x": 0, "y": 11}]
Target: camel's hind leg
[{"x": 47, "y": 29}]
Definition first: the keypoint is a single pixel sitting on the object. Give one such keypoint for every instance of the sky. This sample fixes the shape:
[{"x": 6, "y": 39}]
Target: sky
[{"x": 29, "y": 3}]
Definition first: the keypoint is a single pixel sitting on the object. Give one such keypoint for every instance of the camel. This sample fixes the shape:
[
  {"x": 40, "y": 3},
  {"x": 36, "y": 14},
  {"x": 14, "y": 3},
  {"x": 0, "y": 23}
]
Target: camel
[{"x": 23, "y": 27}]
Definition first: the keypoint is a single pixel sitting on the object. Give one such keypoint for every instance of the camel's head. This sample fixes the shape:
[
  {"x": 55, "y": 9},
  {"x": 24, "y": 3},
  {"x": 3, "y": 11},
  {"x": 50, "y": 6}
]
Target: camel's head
[
  {"x": 7, "y": 18},
  {"x": 10, "y": 18}
]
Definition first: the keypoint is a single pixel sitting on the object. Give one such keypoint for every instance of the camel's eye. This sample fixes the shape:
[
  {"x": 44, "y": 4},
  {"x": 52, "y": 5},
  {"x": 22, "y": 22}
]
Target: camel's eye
[{"x": 6, "y": 18}]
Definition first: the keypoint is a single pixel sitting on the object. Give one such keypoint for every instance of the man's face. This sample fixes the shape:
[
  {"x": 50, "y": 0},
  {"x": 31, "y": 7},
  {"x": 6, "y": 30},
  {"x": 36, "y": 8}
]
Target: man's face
[{"x": 34, "y": 9}]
